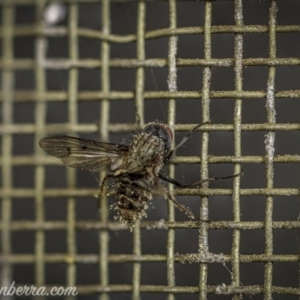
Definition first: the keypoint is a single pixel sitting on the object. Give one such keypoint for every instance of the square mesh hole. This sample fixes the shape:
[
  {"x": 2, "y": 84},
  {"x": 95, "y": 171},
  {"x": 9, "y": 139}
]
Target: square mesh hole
[
  {"x": 24, "y": 14},
  {"x": 24, "y": 47},
  {"x": 88, "y": 112},
  {"x": 87, "y": 208},
  {"x": 55, "y": 177},
  {"x": 24, "y": 80},
  {"x": 55, "y": 209},
  {"x": 123, "y": 18},
  {"x": 23, "y": 144},
  {"x": 87, "y": 241},
  {"x": 122, "y": 51},
  {"x": 154, "y": 241},
  {"x": 288, "y": 44},
  {"x": 287, "y": 78},
  {"x": 23, "y": 209},
  {"x": 186, "y": 241},
  {"x": 287, "y": 110},
  {"x": 120, "y": 273},
  {"x": 23, "y": 113},
  {"x": 287, "y": 142},
  {"x": 286, "y": 241},
  {"x": 255, "y": 78},
  {"x": 56, "y": 274},
  {"x": 160, "y": 277},
  {"x": 255, "y": 45},
  {"x": 90, "y": 15},
  {"x": 121, "y": 237},
  {"x": 252, "y": 273},
  {"x": 160, "y": 20},
  {"x": 122, "y": 79},
  {"x": 285, "y": 274},
  {"x": 218, "y": 274},
  {"x": 285, "y": 208},
  {"x": 287, "y": 12},
  {"x": 156, "y": 79},
  {"x": 250, "y": 148},
  {"x": 248, "y": 246},
  {"x": 192, "y": 9},
  {"x": 221, "y": 143},
  {"x": 57, "y": 80},
  {"x": 157, "y": 48},
  {"x": 254, "y": 111},
  {"x": 23, "y": 176},
  {"x": 22, "y": 241},
  {"x": 89, "y": 48},
  {"x": 55, "y": 241},
  {"x": 252, "y": 208},
  {"x": 286, "y": 175},
  {"x": 190, "y": 46},
  {"x": 256, "y": 12},
  {"x": 187, "y": 274},
  {"x": 23, "y": 274},
  {"x": 220, "y": 241},
  {"x": 58, "y": 47},
  {"x": 117, "y": 109},
  {"x": 195, "y": 111},
  {"x": 222, "y": 111},
  {"x": 222, "y": 45},
  {"x": 254, "y": 176},
  {"x": 87, "y": 273},
  {"x": 218, "y": 15},
  {"x": 57, "y": 112},
  {"x": 89, "y": 80},
  {"x": 222, "y": 79},
  {"x": 156, "y": 109},
  {"x": 189, "y": 78},
  {"x": 220, "y": 208}
]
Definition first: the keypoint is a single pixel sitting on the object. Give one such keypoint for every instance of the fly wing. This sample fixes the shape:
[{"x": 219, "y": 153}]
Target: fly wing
[{"x": 84, "y": 154}]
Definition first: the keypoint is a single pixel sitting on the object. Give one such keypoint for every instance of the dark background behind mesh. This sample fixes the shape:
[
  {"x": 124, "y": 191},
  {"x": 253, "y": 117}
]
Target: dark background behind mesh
[{"x": 188, "y": 111}]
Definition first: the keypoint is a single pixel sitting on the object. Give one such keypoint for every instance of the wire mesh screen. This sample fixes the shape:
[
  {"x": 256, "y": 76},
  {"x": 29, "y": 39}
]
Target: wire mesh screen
[{"x": 110, "y": 65}]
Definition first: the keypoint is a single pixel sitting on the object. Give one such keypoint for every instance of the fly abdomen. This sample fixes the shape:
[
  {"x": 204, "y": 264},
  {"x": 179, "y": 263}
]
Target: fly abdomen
[{"x": 133, "y": 198}]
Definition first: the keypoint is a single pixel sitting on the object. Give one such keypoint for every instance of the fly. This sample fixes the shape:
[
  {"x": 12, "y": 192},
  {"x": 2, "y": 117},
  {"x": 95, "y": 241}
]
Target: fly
[{"x": 136, "y": 169}]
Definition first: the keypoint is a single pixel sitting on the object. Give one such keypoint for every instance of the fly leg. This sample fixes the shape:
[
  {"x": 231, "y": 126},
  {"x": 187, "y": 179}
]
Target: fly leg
[
  {"x": 103, "y": 185},
  {"x": 197, "y": 183},
  {"x": 181, "y": 207},
  {"x": 184, "y": 140}
]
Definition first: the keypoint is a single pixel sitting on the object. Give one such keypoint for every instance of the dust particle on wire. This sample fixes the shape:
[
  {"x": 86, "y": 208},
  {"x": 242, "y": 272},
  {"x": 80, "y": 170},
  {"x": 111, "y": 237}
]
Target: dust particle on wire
[{"x": 55, "y": 13}]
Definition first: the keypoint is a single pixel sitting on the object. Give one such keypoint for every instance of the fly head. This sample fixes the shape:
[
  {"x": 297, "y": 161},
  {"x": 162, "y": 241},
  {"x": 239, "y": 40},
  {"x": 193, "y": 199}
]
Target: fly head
[{"x": 163, "y": 132}]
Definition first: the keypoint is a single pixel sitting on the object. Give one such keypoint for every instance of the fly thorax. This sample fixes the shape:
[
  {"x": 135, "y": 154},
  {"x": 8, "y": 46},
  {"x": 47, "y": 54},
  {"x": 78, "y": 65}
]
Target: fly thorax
[{"x": 146, "y": 150}]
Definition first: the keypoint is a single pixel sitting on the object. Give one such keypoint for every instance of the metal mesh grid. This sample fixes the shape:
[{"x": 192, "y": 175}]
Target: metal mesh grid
[{"x": 41, "y": 96}]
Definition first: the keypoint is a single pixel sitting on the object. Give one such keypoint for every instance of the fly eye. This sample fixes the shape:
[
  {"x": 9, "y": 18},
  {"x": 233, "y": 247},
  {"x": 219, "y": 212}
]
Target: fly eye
[{"x": 162, "y": 131}]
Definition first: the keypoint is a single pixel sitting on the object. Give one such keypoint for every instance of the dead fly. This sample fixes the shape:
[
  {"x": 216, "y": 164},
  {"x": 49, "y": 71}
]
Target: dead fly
[{"x": 135, "y": 169}]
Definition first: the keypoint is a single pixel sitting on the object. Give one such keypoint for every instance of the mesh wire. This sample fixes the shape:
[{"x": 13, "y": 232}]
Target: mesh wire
[{"x": 41, "y": 96}]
